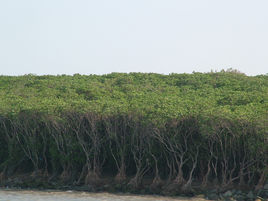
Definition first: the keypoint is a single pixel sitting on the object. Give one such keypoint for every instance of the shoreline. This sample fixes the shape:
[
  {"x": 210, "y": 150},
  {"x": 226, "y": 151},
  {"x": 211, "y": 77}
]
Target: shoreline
[
  {"x": 41, "y": 184},
  {"x": 89, "y": 193}
]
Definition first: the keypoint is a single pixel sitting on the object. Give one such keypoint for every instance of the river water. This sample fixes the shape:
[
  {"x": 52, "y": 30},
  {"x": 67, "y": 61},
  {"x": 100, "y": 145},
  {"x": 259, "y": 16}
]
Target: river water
[{"x": 18, "y": 195}]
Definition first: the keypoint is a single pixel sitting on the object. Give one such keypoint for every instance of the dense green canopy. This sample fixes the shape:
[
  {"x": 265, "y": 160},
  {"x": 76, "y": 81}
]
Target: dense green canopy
[{"x": 157, "y": 96}]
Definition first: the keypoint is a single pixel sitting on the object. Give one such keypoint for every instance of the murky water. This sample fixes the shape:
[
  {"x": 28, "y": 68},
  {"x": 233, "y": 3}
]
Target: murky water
[{"x": 12, "y": 195}]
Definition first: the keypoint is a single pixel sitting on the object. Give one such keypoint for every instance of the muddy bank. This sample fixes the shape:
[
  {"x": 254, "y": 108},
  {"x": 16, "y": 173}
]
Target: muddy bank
[
  {"x": 109, "y": 185},
  {"x": 29, "y": 195}
]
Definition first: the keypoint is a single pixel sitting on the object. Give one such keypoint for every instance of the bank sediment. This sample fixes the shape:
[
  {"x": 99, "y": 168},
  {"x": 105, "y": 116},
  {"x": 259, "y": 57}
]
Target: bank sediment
[{"x": 212, "y": 192}]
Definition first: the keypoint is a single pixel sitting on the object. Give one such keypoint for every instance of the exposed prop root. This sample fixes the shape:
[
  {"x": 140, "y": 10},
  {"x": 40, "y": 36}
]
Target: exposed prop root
[
  {"x": 134, "y": 182},
  {"x": 37, "y": 173},
  {"x": 65, "y": 176},
  {"x": 156, "y": 184},
  {"x": 120, "y": 177},
  {"x": 92, "y": 178},
  {"x": 2, "y": 177}
]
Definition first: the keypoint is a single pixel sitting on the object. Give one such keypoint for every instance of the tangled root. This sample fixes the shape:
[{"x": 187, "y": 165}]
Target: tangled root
[{"x": 92, "y": 178}]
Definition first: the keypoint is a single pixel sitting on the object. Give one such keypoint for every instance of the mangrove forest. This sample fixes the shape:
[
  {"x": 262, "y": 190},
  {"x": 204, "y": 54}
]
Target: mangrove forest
[{"x": 135, "y": 132}]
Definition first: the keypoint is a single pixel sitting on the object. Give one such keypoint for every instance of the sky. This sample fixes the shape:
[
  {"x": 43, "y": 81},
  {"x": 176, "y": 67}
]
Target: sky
[{"x": 160, "y": 36}]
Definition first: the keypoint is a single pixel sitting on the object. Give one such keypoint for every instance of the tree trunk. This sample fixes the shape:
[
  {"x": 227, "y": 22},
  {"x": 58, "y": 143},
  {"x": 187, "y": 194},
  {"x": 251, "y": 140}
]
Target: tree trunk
[{"x": 121, "y": 175}]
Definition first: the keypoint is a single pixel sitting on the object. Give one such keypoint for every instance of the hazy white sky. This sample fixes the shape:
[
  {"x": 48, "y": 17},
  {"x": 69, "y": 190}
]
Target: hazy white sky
[{"x": 103, "y": 36}]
